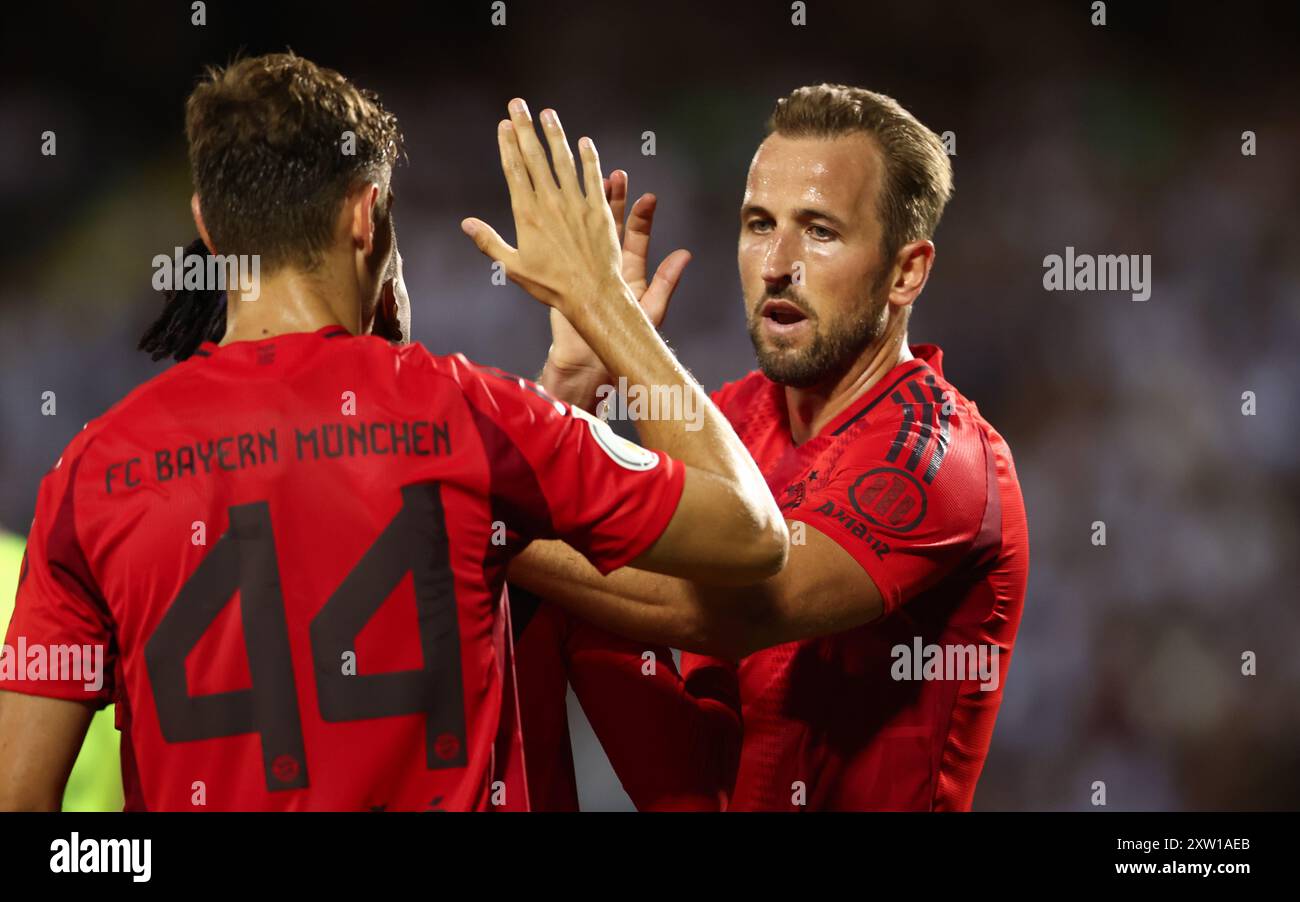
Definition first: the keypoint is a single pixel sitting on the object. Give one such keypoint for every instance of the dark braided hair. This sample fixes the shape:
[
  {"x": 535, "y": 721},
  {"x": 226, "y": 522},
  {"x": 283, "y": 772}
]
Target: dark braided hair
[{"x": 189, "y": 318}]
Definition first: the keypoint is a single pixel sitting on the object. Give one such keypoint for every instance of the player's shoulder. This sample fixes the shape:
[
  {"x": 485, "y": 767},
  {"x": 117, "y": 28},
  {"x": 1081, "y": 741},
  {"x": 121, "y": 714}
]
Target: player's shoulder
[
  {"x": 415, "y": 361},
  {"x": 919, "y": 432},
  {"x": 159, "y": 400},
  {"x": 489, "y": 388},
  {"x": 141, "y": 404},
  {"x": 455, "y": 367}
]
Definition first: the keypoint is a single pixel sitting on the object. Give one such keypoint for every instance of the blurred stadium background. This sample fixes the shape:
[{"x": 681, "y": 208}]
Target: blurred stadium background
[{"x": 1122, "y": 138}]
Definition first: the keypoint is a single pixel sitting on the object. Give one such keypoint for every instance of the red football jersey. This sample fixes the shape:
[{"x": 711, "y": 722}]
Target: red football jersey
[
  {"x": 921, "y": 491},
  {"x": 673, "y": 743},
  {"x": 293, "y": 552}
]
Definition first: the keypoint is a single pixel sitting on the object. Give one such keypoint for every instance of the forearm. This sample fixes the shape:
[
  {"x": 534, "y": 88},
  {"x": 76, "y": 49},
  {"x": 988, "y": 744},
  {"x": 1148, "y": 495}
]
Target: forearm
[
  {"x": 39, "y": 741},
  {"x": 566, "y": 260},
  {"x": 822, "y": 591},
  {"x": 576, "y": 385},
  {"x": 646, "y": 607},
  {"x": 629, "y": 346}
]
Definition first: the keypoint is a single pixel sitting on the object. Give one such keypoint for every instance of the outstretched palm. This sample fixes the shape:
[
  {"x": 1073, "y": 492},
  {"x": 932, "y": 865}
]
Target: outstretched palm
[{"x": 569, "y": 352}]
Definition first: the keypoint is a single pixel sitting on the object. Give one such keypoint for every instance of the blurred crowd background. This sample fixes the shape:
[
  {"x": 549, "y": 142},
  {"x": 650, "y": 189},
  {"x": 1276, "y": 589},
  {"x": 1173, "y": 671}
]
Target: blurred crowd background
[{"x": 1118, "y": 138}]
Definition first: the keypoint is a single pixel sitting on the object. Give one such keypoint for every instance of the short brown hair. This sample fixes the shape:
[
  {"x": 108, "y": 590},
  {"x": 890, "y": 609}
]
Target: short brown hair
[
  {"x": 918, "y": 174},
  {"x": 266, "y": 145}
]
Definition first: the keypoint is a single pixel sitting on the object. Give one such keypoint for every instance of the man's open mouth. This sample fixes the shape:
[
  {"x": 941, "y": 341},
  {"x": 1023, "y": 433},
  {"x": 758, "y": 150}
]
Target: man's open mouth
[{"x": 781, "y": 312}]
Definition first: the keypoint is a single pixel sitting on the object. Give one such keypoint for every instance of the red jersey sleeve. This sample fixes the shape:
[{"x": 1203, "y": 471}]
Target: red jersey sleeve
[
  {"x": 560, "y": 472},
  {"x": 674, "y": 742},
  {"x": 908, "y": 526},
  {"x": 60, "y": 641}
]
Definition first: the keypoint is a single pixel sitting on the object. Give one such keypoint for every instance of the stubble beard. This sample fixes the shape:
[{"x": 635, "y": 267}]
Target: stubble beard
[{"x": 836, "y": 344}]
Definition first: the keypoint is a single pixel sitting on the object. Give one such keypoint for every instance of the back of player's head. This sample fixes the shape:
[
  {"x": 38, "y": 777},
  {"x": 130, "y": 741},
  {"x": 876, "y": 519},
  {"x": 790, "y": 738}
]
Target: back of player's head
[
  {"x": 918, "y": 174},
  {"x": 275, "y": 144}
]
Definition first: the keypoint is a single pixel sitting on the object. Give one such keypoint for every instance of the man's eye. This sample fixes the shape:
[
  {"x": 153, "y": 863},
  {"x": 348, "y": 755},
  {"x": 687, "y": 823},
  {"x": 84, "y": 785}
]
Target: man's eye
[
  {"x": 759, "y": 225},
  {"x": 821, "y": 233}
]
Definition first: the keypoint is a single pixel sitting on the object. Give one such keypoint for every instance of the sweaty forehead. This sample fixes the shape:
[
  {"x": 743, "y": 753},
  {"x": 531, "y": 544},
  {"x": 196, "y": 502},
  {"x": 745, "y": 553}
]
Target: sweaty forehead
[{"x": 840, "y": 175}]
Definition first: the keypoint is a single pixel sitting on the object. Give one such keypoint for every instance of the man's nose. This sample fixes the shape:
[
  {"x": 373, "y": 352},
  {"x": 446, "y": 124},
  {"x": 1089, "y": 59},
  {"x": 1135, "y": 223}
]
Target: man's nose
[
  {"x": 779, "y": 259},
  {"x": 775, "y": 284}
]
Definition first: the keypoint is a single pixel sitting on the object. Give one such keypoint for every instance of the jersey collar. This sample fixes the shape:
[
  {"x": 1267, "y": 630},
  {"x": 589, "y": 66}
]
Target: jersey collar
[
  {"x": 208, "y": 348},
  {"x": 926, "y": 358}
]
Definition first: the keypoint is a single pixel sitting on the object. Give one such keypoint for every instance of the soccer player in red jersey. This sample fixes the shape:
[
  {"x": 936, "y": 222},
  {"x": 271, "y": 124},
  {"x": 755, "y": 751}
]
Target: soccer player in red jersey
[
  {"x": 871, "y": 667},
  {"x": 678, "y": 751},
  {"x": 357, "y": 501}
]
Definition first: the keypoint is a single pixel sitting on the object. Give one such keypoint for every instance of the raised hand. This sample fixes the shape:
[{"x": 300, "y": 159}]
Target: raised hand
[
  {"x": 569, "y": 358},
  {"x": 568, "y": 252}
]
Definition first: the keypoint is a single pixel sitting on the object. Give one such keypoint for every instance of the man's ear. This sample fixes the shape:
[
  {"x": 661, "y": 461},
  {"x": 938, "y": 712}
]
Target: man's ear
[
  {"x": 363, "y": 217},
  {"x": 913, "y": 264},
  {"x": 198, "y": 221}
]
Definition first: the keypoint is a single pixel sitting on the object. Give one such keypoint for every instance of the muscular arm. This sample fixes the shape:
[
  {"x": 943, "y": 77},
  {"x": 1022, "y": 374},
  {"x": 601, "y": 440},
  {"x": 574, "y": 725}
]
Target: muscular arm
[
  {"x": 568, "y": 258},
  {"x": 822, "y": 590},
  {"x": 39, "y": 741}
]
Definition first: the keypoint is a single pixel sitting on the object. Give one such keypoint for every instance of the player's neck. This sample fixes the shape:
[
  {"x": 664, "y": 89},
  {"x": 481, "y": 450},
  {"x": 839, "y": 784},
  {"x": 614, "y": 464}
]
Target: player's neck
[
  {"x": 289, "y": 301},
  {"x": 810, "y": 409}
]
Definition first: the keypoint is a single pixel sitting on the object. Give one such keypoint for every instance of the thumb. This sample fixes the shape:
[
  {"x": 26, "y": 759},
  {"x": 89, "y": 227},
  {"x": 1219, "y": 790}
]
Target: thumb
[
  {"x": 488, "y": 241},
  {"x": 660, "y": 292}
]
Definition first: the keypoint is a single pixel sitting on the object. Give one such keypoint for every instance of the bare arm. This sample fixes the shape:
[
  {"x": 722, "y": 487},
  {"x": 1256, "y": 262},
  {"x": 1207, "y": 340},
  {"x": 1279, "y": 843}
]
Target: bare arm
[
  {"x": 39, "y": 741},
  {"x": 727, "y": 527},
  {"x": 822, "y": 590}
]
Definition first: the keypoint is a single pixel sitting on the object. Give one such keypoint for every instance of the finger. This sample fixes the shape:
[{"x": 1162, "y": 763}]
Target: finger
[
  {"x": 656, "y": 298},
  {"x": 636, "y": 242},
  {"x": 618, "y": 198},
  {"x": 591, "y": 172},
  {"x": 512, "y": 164},
  {"x": 637, "y": 239},
  {"x": 565, "y": 169},
  {"x": 489, "y": 242},
  {"x": 531, "y": 149}
]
